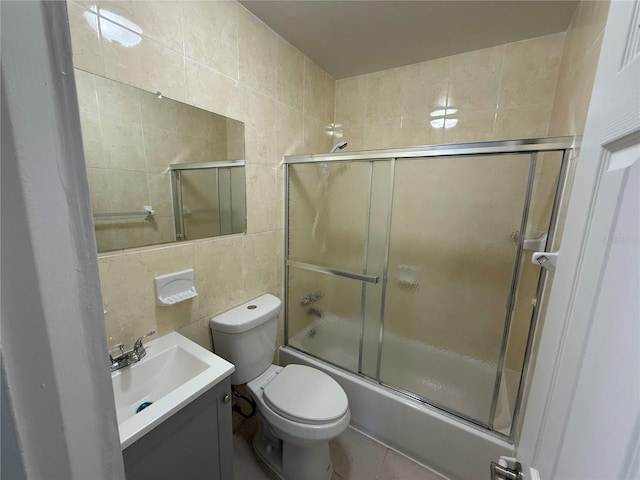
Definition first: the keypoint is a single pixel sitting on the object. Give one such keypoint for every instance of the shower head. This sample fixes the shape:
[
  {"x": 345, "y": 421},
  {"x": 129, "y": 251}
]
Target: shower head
[{"x": 338, "y": 146}]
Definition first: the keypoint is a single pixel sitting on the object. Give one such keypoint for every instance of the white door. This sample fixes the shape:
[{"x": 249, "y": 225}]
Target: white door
[{"x": 582, "y": 419}]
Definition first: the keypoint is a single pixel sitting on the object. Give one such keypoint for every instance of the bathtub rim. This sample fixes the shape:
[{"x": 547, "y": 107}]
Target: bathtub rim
[
  {"x": 422, "y": 400},
  {"x": 404, "y": 397}
]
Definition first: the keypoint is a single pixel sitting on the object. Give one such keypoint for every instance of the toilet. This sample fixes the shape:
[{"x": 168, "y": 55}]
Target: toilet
[{"x": 299, "y": 408}]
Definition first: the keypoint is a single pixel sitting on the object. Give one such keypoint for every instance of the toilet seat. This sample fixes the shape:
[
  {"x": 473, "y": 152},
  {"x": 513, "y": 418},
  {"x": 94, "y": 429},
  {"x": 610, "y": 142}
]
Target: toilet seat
[{"x": 306, "y": 395}]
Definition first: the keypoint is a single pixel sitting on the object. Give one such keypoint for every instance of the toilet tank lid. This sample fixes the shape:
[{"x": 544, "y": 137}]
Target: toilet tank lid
[{"x": 247, "y": 316}]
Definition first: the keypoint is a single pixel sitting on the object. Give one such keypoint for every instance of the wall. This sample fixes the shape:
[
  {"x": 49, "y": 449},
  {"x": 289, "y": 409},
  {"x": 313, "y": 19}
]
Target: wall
[
  {"x": 490, "y": 94},
  {"x": 219, "y": 57},
  {"x": 577, "y": 74}
]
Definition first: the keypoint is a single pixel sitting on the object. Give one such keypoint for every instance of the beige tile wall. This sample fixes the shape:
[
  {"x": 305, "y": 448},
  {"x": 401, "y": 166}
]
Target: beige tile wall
[
  {"x": 219, "y": 57},
  {"x": 577, "y": 74},
  {"x": 490, "y": 94},
  {"x": 578, "y": 68}
]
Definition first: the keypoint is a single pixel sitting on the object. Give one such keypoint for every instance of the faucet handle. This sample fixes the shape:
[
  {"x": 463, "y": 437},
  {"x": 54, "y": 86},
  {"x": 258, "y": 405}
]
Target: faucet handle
[
  {"x": 118, "y": 346},
  {"x": 138, "y": 343}
]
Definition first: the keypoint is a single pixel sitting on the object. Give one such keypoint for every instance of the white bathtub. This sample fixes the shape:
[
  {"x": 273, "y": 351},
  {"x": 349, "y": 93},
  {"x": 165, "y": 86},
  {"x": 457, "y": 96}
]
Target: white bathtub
[{"x": 439, "y": 441}]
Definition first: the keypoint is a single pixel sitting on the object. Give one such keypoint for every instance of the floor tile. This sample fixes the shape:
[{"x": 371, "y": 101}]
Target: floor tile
[
  {"x": 399, "y": 467},
  {"x": 246, "y": 464},
  {"x": 354, "y": 456}
]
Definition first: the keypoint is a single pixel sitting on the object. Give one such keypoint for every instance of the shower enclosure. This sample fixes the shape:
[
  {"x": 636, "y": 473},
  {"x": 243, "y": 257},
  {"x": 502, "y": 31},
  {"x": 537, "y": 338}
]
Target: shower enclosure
[
  {"x": 208, "y": 199},
  {"x": 411, "y": 268}
]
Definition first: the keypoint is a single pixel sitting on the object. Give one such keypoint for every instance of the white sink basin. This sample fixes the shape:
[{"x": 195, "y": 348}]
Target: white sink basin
[{"x": 174, "y": 372}]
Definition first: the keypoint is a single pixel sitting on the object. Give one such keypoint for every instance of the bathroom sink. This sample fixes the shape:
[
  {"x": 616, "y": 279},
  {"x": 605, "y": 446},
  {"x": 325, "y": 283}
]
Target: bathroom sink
[{"x": 174, "y": 372}]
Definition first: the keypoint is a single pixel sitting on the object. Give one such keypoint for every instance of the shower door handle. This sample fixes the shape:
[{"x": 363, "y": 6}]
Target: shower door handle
[
  {"x": 333, "y": 271},
  {"x": 547, "y": 260}
]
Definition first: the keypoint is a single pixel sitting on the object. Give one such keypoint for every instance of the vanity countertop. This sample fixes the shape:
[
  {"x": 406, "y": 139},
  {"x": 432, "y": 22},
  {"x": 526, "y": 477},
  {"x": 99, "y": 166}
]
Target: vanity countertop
[{"x": 174, "y": 372}]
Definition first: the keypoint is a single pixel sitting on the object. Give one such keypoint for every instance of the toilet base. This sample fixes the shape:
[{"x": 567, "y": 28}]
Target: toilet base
[
  {"x": 292, "y": 461},
  {"x": 269, "y": 453}
]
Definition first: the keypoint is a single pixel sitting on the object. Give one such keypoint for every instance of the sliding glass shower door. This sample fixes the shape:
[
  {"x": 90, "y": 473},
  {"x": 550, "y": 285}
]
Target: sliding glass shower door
[
  {"x": 452, "y": 264},
  {"x": 327, "y": 225},
  {"x": 415, "y": 272}
]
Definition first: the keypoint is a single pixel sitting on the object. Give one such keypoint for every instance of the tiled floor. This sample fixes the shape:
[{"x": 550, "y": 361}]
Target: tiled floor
[{"x": 354, "y": 456}]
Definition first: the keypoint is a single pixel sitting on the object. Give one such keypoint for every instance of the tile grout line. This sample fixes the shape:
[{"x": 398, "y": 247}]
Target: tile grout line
[{"x": 384, "y": 460}]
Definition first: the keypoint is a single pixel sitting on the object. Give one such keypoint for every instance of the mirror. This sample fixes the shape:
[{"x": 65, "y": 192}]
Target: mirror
[{"x": 159, "y": 170}]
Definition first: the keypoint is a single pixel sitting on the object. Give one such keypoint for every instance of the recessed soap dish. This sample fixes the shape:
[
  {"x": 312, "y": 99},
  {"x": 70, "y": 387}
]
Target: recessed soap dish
[{"x": 175, "y": 287}]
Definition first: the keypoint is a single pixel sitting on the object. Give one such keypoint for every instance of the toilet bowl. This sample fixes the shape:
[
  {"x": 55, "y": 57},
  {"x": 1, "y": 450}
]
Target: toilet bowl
[
  {"x": 299, "y": 408},
  {"x": 300, "y": 425}
]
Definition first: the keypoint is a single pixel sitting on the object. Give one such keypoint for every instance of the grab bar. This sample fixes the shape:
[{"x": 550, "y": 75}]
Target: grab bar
[
  {"x": 333, "y": 271},
  {"x": 148, "y": 213}
]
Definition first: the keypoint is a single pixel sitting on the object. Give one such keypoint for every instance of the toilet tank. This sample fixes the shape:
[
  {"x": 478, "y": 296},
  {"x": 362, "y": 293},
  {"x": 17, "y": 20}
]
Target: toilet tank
[{"x": 246, "y": 336}]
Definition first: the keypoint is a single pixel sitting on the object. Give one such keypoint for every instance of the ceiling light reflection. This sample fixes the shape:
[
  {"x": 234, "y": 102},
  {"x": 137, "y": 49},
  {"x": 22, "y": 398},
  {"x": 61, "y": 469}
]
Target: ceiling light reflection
[
  {"x": 444, "y": 111},
  {"x": 116, "y": 28},
  {"x": 445, "y": 121}
]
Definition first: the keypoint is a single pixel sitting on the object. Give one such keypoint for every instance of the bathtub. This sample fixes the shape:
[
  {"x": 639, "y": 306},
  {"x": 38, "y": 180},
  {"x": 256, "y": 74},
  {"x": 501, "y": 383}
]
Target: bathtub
[{"x": 434, "y": 438}]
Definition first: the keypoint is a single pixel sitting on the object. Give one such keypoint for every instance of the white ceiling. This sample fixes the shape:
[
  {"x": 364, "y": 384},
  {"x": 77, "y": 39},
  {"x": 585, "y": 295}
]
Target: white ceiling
[{"x": 349, "y": 38}]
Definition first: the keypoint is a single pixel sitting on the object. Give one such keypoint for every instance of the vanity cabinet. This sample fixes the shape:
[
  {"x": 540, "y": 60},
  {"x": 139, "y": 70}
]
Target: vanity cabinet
[{"x": 194, "y": 443}]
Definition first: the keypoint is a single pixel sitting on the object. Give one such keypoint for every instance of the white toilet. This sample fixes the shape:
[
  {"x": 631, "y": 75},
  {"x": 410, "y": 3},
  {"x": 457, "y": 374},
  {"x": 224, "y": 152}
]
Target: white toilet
[{"x": 299, "y": 408}]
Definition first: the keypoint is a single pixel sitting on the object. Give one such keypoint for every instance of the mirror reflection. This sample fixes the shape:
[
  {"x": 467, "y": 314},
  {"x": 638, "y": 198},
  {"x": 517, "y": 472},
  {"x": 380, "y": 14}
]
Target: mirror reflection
[{"x": 159, "y": 170}]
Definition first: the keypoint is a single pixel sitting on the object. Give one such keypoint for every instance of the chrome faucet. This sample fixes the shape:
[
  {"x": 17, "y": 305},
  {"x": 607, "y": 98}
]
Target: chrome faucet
[{"x": 128, "y": 357}]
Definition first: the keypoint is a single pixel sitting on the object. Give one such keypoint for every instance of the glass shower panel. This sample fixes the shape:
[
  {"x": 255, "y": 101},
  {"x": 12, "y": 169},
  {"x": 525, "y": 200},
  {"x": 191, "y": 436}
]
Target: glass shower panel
[
  {"x": 231, "y": 199},
  {"x": 548, "y": 168},
  {"x": 334, "y": 223},
  {"x": 376, "y": 254},
  {"x": 238, "y": 199},
  {"x": 324, "y": 316},
  {"x": 200, "y": 203},
  {"x": 225, "y": 200},
  {"x": 328, "y": 212},
  {"x": 452, "y": 252}
]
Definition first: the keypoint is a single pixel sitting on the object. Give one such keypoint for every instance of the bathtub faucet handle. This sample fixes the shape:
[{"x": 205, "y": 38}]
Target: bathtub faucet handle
[{"x": 310, "y": 298}]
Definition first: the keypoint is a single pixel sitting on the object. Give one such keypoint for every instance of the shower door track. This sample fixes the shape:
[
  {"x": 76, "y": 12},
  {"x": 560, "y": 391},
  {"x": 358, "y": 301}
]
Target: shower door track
[
  {"x": 476, "y": 149},
  {"x": 507, "y": 147}
]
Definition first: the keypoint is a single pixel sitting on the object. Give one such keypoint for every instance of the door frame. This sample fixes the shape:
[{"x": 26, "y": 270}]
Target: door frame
[{"x": 609, "y": 147}]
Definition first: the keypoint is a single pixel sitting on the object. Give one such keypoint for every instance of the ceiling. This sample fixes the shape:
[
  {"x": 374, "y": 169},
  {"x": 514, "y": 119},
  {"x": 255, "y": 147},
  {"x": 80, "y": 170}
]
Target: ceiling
[{"x": 349, "y": 38}]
